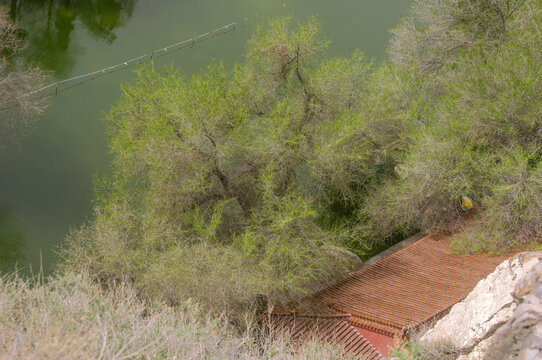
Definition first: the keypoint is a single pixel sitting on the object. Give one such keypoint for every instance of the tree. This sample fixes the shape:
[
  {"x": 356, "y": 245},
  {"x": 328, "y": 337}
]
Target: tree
[
  {"x": 478, "y": 129},
  {"x": 18, "y": 110},
  {"x": 244, "y": 186},
  {"x": 436, "y": 30},
  {"x": 217, "y": 191},
  {"x": 49, "y": 27}
]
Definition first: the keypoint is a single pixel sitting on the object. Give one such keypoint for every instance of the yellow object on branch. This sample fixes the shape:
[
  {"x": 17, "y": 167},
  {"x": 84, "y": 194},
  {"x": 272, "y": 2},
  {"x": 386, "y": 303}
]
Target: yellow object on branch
[{"x": 466, "y": 202}]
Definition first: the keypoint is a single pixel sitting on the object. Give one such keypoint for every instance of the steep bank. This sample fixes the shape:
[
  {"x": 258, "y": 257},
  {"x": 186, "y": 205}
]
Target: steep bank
[{"x": 70, "y": 318}]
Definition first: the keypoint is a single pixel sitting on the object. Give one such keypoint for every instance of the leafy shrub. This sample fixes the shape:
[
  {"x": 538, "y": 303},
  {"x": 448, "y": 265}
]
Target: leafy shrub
[
  {"x": 243, "y": 187},
  {"x": 478, "y": 134},
  {"x": 436, "y": 30},
  {"x": 219, "y": 179}
]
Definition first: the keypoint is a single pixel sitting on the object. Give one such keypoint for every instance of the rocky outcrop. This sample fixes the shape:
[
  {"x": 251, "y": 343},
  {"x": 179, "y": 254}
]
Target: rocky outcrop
[
  {"x": 491, "y": 310},
  {"x": 521, "y": 337}
]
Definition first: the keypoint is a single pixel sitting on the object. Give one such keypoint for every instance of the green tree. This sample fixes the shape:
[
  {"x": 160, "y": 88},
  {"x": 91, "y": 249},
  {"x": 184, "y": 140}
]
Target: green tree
[
  {"x": 243, "y": 187},
  {"x": 477, "y": 129},
  {"x": 51, "y": 27},
  {"x": 220, "y": 179}
]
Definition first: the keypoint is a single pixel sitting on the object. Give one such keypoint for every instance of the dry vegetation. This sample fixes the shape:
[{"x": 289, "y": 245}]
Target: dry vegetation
[
  {"x": 70, "y": 317},
  {"x": 412, "y": 350}
]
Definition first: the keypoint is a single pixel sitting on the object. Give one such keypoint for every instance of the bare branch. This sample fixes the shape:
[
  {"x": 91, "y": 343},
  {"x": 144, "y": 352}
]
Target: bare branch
[{"x": 18, "y": 110}]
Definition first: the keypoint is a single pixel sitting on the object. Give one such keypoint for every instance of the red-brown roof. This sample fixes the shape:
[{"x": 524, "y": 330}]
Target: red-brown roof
[
  {"x": 402, "y": 291},
  {"x": 334, "y": 330}
]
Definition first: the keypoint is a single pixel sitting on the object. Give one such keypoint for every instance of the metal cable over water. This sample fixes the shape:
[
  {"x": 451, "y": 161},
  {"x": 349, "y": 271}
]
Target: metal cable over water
[{"x": 79, "y": 79}]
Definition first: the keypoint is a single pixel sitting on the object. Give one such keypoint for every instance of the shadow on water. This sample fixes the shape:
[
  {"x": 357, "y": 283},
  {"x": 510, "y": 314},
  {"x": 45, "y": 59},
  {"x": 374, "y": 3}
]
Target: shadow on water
[
  {"x": 48, "y": 26},
  {"x": 12, "y": 242}
]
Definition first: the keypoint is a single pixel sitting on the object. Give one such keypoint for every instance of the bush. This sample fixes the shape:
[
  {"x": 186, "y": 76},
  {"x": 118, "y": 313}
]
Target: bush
[
  {"x": 437, "y": 30},
  {"x": 71, "y": 317},
  {"x": 220, "y": 180},
  {"x": 478, "y": 128}
]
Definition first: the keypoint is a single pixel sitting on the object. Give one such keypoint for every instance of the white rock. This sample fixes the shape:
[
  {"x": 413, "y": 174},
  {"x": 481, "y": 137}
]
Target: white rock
[
  {"x": 478, "y": 353},
  {"x": 487, "y": 307}
]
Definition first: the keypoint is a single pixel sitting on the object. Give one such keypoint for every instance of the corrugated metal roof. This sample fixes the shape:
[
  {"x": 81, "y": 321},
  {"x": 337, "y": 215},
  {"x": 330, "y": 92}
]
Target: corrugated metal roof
[
  {"x": 402, "y": 291},
  {"x": 334, "y": 330},
  {"x": 409, "y": 287}
]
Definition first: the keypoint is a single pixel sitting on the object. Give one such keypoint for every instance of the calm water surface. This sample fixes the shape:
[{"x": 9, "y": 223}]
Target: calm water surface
[{"x": 46, "y": 183}]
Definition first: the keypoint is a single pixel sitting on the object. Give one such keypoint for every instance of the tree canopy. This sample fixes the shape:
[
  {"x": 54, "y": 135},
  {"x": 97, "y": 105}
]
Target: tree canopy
[
  {"x": 220, "y": 179},
  {"x": 254, "y": 184}
]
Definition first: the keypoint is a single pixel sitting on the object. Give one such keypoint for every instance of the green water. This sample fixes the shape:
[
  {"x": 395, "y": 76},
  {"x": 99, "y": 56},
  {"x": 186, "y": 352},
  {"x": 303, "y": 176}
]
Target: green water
[{"x": 46, "y": 182}]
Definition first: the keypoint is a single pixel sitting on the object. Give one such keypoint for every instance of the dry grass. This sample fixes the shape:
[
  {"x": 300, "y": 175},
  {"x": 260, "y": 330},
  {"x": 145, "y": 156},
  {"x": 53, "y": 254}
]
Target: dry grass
[
  {"x": 70, "y": 317},
  {"x": 437, "y": 350},
  {"x": 416, "y": 349}
]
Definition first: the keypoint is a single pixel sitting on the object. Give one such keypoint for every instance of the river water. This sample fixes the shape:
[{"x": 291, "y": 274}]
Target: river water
[{"x": 46, "y": 181}]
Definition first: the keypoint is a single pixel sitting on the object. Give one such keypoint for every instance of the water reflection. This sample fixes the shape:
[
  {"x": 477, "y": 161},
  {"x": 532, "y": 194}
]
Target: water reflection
[
  {"x": 12, "y": 242},
  {"x": 49, "y": 26}
]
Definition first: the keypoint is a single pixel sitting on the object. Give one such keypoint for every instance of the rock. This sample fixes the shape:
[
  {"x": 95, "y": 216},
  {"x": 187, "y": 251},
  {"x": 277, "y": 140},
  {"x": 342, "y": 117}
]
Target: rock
[
  {"x": 521, "y": 337},
  {"x": 490, "y": 305},
  {"x": 478, "y": 353}
]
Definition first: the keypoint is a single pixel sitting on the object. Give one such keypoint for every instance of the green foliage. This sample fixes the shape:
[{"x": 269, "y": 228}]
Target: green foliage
[
  {"x": 514, "y": 209},
  {"x": 242, "y": 187},
  {"x": 217, "y": 190},
  {"x": 436, "y": 30},
  {"x": 480, "y": 137}
]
